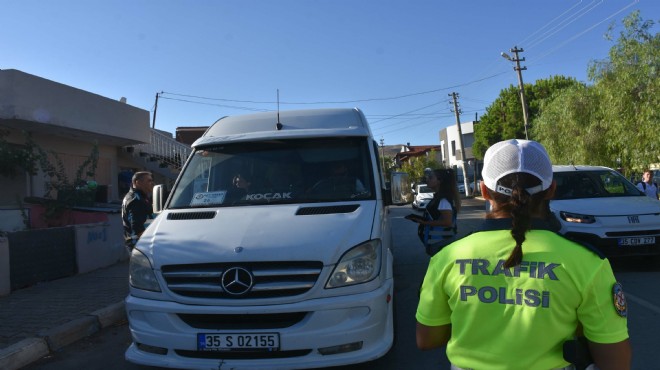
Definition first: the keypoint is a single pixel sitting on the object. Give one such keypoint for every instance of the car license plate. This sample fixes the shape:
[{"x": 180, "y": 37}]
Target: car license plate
[
  {"x": 238, "y": 342},
  {"x": 637, "y": 241}
]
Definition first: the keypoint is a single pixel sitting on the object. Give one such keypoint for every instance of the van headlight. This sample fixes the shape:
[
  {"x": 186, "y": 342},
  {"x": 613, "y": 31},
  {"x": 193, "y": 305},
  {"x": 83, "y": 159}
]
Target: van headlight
[
  {"x": 140, "y": 273},
  {"x": 358, "y": 265},
  {"x": 577, "y": 218}
]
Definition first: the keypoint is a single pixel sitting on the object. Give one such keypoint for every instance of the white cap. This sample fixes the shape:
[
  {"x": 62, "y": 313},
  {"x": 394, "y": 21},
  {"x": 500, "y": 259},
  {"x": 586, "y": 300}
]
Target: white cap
[{"x": 513, "y": 156}]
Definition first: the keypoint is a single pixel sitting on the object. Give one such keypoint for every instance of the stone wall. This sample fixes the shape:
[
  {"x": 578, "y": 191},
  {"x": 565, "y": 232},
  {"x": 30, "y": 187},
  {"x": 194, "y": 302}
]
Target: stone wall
[{"x": 32, "y": 256}]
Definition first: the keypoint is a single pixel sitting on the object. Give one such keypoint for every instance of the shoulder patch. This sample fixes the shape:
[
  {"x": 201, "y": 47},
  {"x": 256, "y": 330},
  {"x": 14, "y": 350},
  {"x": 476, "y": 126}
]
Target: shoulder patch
[{"x": 619, "y": 299}]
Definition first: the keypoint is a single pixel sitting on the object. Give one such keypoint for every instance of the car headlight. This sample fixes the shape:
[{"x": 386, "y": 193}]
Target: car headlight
[
  {"x": 140, "y": 273},
  {"x": 358, "y": 265},
  {"x": 577, "y": 218}
]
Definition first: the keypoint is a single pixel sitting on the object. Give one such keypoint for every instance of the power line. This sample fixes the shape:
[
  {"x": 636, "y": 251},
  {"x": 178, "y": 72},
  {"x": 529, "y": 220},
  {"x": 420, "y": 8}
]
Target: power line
[
  {"x": 494, "y": 64},
  {"x": 411, "y": 119},
  {"x": 217, "y": 105},
  {"x": 586, "y": 30},
  {"x": 414, "y": 124},
  {"x": 524, "y": 41},
  {"x": 540, "y": 34},
  {"x": 417, "y": 124},
  {"x": 334, "y": 102},
  {"x": 543, "y": 36},
  {"x": 405, "y": 116},
  {"x": 564, "y": 24},
  {"x": 412, "y": 111}
]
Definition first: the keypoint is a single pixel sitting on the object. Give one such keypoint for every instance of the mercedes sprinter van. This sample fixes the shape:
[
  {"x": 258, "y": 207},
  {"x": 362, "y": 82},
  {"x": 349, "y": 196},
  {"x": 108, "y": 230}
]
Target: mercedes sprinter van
[{"x": 272, "y": 251}]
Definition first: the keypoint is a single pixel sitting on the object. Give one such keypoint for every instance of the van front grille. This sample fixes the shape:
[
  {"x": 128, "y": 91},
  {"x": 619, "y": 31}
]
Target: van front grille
[
  {"x": 243, "y": 321},
  {"x": 265, "y": 280},
  {"x": 242, "y": 355},
  {"x": 619, "y": 234}
]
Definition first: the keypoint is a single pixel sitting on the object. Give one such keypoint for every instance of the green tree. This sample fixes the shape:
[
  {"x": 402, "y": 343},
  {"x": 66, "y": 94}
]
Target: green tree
[
  {"x": 415, "y": 167},
  {"x": 30, "y": 157},
  {"x": 572, "y": 129},
  {"x": 628, "y": 86},
  {"x": 504, "y": 118},
  {"x": 614, "y": 122},
  {"x": 67, "y": 193},
  {"x": 15, "y": 158},
  {"x": 388, "y": 166}
]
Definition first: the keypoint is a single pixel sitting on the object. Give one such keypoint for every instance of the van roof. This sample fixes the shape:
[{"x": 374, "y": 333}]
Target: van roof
[{"x": 294, "y": 124}]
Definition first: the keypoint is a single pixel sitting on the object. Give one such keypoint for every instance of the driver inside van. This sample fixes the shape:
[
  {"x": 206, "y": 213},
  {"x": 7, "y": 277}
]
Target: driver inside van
[
  {"x": 340, "y": 180},
  {"x": 240, "y": 186}
]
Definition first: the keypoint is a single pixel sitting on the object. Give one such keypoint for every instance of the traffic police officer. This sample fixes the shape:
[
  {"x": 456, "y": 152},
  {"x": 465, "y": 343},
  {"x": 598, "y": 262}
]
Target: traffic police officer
[{"x": 496, "y": 307}]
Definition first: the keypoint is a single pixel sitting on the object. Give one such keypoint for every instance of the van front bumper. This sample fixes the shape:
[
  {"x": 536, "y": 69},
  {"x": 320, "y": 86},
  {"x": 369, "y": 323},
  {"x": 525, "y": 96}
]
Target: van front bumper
[{"x": 360, "y": 325}]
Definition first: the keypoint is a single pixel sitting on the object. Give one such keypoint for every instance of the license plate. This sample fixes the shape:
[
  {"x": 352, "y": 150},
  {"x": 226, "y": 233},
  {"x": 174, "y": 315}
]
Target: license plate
[
  {"x": 238, "y": 342},
  {"x": 637, "y": 241}
]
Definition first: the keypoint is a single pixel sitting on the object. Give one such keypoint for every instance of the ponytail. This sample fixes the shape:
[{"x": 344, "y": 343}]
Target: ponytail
[
  {"x": 521, "y": 222},
  {"x": 520, "y": 206}
]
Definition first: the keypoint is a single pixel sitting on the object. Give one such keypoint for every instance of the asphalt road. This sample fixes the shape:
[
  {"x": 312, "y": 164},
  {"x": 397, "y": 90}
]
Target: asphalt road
[{"x": 105, "y": 350}]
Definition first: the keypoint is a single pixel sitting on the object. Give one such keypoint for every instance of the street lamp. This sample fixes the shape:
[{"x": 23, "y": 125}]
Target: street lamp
[{"x": 521, "y": 86}]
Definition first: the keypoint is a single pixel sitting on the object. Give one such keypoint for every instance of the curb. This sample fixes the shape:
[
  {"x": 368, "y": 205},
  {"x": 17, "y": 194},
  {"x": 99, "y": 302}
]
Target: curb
[{"x": 32, "y": 349}]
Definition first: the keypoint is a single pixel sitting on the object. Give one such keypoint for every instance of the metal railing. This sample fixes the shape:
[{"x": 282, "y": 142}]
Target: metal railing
[{"x": 164, "y": 149}]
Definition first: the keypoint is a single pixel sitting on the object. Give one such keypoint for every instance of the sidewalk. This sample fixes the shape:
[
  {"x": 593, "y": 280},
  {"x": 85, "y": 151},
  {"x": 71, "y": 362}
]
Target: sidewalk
[{"x": 48, "y": 316}]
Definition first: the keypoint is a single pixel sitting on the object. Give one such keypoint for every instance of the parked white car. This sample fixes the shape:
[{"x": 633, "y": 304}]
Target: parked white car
[
  {"x": 601, "y": 207},
  {"x": 461, "y": 187},
  {"x": 423, "y": 195}
]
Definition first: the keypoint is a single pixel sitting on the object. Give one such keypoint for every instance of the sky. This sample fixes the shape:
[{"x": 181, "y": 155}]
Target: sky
[{"x": 398, "y": 61}]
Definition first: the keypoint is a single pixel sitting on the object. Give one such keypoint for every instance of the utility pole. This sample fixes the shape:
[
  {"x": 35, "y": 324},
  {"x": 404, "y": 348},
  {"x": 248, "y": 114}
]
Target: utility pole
[
  {"x": 521, "y": 86},
  {"x": 476, "y": 162},
  {"x": 153, "y": 122},
  {"x": 382, "y": 157},
  {"x": 460, "y": 142}
]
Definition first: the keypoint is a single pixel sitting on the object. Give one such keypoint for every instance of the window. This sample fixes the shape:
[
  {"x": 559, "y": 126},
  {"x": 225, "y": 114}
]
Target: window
[
  {"x": 592, "y": 184},
  {"x": 277, "y": 171}
]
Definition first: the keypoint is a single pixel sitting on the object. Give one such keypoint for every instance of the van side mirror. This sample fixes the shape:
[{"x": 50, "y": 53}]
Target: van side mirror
[
  {"x": 400, "y": 191},
  {"x": 157, "y": 199}
]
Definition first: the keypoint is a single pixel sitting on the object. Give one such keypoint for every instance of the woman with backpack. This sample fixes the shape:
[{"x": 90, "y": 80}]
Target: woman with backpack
[
  {"x": 446, "y": 202},
  {"x": 441, "y": 212}
]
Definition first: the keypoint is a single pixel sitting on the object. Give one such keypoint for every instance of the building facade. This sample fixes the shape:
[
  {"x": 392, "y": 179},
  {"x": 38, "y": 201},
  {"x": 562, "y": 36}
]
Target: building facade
[
  {"x": 454, "y": 157},
  {"x": 69, "y": 122}
]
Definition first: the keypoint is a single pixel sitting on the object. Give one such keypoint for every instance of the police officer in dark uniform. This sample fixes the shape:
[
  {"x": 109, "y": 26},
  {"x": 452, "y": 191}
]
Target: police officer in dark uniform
[{"x": 136, "y": 207}]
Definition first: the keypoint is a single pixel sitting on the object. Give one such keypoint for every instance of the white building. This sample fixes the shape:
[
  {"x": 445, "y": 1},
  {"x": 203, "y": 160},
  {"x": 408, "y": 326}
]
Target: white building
[
  {"x": 68, "y": 121},
  {"x": 451, "y": 146},
  {"x": 452, "y": 156}
]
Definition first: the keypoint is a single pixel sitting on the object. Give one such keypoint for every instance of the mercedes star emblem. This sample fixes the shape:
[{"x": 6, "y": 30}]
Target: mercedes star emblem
[{"x": 237, "y": 281}]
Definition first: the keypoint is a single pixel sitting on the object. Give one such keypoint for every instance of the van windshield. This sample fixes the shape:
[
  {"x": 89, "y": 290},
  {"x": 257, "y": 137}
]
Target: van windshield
[{"x": 276, "y": 171}]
